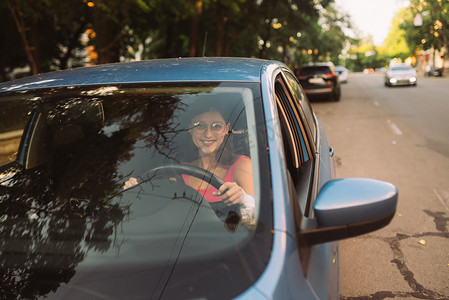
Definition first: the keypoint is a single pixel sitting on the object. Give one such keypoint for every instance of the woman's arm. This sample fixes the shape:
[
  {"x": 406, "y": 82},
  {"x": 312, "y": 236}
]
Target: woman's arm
[
  {"x": 234, "y": 192},
  {"x": 244, "y": 175},
  {"x": 243, "y": 191}
]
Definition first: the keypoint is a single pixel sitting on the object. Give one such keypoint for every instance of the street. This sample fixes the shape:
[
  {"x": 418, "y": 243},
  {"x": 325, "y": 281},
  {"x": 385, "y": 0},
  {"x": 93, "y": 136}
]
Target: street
[{"x": 400, "y": 135}]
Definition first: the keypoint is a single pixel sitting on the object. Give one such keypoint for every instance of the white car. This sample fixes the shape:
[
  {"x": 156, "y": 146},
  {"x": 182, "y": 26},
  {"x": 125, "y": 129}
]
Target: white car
[
  {"x": 400, "y": 74},
  {"x": 342, "y": 73}
]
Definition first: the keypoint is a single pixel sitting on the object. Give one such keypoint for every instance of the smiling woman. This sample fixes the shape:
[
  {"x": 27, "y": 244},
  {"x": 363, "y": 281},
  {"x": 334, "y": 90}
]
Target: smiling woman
[{"x": 210, "y": 149}]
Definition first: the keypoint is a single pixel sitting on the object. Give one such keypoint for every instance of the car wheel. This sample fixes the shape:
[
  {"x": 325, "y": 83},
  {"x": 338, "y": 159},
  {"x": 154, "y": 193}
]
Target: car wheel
[{"x": 336, "y": 95}]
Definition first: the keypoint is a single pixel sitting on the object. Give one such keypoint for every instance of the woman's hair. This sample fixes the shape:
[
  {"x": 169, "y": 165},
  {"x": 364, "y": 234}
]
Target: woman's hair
[
  {"x": 224, "y": 155},
  {"x": 205, "y": 105}
]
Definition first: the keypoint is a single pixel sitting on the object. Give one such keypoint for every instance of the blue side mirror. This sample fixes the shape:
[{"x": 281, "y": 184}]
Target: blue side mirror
[
  {"x": 354, "y": 200},
  {"x": 349, "y": 207}
]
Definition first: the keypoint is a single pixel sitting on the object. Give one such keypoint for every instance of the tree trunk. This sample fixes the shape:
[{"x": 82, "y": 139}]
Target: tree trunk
[
  {"x": 36, "y": 45},
  {"x": 266, "y": 39},
  {"x": 107, "y": 38},
  {"x": 194, "y": 28},
  {"x": 229, "y": 44},
  {"x": 18, "y": 19},
  {"x": 218, "y": 29},
  {"x": 168, "y": 51}
]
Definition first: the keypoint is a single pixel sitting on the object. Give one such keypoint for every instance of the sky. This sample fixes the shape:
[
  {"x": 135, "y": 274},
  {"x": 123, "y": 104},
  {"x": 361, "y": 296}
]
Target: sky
[{"x": 372, "y": 17}]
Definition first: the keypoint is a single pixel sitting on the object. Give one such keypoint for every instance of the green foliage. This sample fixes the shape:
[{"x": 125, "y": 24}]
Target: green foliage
[
  {"x": 332, "y": 37},
  {"x": 395, "y": 44},
  {"x": 365, "y": 56},
  {"x": 434, "y": 30},
  {"x": 142, "y": 29},
  {"x": 52, "y": 29}
]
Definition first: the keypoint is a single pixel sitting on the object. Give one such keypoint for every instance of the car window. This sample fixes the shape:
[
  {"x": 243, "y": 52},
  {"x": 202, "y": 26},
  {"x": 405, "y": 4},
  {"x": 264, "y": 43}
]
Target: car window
[
  {"x": 298, "y": 161},
  {"x": 401, "y": 68},
  {"x": 303, "y": 103},
  {"x": 67, "y": 183},
  {"x": 315, "y": 70},
  {"x": 13, "y": 118}
]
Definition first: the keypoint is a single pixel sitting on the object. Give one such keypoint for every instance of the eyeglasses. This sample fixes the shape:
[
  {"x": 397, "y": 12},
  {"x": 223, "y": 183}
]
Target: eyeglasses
[{"x": 215, "y": 127}]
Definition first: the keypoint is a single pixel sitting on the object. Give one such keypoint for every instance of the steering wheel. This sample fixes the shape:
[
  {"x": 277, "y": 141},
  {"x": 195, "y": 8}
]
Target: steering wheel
[
  {"x": 168, "y": 170},
  {"x": 228, "y": 214}
]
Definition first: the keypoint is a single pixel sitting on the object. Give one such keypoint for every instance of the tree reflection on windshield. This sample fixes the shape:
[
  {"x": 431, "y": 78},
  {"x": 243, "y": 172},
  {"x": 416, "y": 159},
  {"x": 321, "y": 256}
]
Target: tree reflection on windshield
[{"x": 62, "y": 205}]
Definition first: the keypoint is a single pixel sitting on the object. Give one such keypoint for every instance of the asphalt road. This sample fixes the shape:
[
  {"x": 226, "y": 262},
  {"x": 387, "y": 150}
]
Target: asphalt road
[{"x": 400, "y": 135}]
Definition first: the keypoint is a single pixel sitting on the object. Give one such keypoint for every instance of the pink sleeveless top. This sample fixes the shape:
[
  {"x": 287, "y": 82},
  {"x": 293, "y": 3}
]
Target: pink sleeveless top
[{"x": 229, "y": 177}]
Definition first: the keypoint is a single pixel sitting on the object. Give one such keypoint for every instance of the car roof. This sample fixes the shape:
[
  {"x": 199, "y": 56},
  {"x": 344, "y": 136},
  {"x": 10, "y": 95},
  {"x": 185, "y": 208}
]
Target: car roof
[{"x": 157, "y": 70}]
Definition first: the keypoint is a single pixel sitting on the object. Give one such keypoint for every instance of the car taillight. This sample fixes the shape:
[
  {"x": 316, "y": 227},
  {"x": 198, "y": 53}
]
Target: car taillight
[
  {"x": 329, "y": 75},
  {"x": 301, "y": 76}
]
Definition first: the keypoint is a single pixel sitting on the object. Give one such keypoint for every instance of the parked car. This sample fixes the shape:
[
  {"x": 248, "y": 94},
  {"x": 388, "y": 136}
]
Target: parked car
[
  {"x": 433, "y": 71},
  {"x": 71, "y": 229},
  {"x": 320, "y": 79},
  {"x": 342, "y": 73},
  {"x": 400, "y": 74}
]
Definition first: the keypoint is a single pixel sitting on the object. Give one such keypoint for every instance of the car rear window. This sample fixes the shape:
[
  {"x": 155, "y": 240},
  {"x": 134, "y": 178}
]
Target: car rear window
[{"x": 312, "y": 70}]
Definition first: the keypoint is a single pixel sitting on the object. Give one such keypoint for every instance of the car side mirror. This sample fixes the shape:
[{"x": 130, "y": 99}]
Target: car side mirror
[{"x": 349, "y": 207}]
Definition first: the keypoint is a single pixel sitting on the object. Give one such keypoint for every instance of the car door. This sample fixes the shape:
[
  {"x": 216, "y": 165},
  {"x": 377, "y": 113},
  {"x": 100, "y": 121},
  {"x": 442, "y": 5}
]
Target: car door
[{"x": 309, "y": 166}]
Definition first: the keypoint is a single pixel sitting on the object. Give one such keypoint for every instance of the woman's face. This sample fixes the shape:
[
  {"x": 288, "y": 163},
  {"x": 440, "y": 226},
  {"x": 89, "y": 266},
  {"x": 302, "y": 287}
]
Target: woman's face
[{"x": 208, "y": 131}]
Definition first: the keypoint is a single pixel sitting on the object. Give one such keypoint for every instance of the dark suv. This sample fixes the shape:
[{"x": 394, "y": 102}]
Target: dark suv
[{"x": 320, "y": 79}]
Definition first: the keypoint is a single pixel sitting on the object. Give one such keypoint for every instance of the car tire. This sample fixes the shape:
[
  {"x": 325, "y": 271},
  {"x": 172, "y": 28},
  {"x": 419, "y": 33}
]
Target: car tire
[{"x": 336, "y": 95}]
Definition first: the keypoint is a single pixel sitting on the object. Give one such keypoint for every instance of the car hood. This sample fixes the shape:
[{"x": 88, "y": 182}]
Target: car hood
[{"x": 126, "y": 249}]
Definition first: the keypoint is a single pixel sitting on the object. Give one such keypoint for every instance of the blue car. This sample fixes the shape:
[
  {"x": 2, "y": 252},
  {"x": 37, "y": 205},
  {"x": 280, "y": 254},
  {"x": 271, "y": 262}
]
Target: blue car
[{"x": 189, "y": 178}]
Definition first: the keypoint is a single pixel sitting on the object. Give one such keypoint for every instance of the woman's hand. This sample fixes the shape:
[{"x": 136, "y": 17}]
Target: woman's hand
[
  {"x": 231, "y": 193},
  {"x": 130, "y": 183}
]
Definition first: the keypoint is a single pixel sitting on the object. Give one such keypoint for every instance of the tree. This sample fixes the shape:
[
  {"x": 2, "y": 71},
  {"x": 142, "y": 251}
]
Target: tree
[
  {"x": 332, "y": 37},
  {"x": 8, "y": 36},
  {"x": 52, "y": 32},
  {"x": 395, "y": 44},
  {"x": 26, "y": 18},
  {"x": 48, "y": 31},
  {"x": 434, "y": 30}
]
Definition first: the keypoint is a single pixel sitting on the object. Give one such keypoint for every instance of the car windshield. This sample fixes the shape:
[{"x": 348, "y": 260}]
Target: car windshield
[
  {"x": 67, "y": 216},
  {"x": 402, "y": 68}
]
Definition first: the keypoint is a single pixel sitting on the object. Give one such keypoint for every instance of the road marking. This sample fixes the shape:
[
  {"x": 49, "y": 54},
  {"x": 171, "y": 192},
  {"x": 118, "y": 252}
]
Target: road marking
[
  {"x": 395, "y": 128},
  {"x": 376, "y": 103},
  {"x": 441, "y": 198}
]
